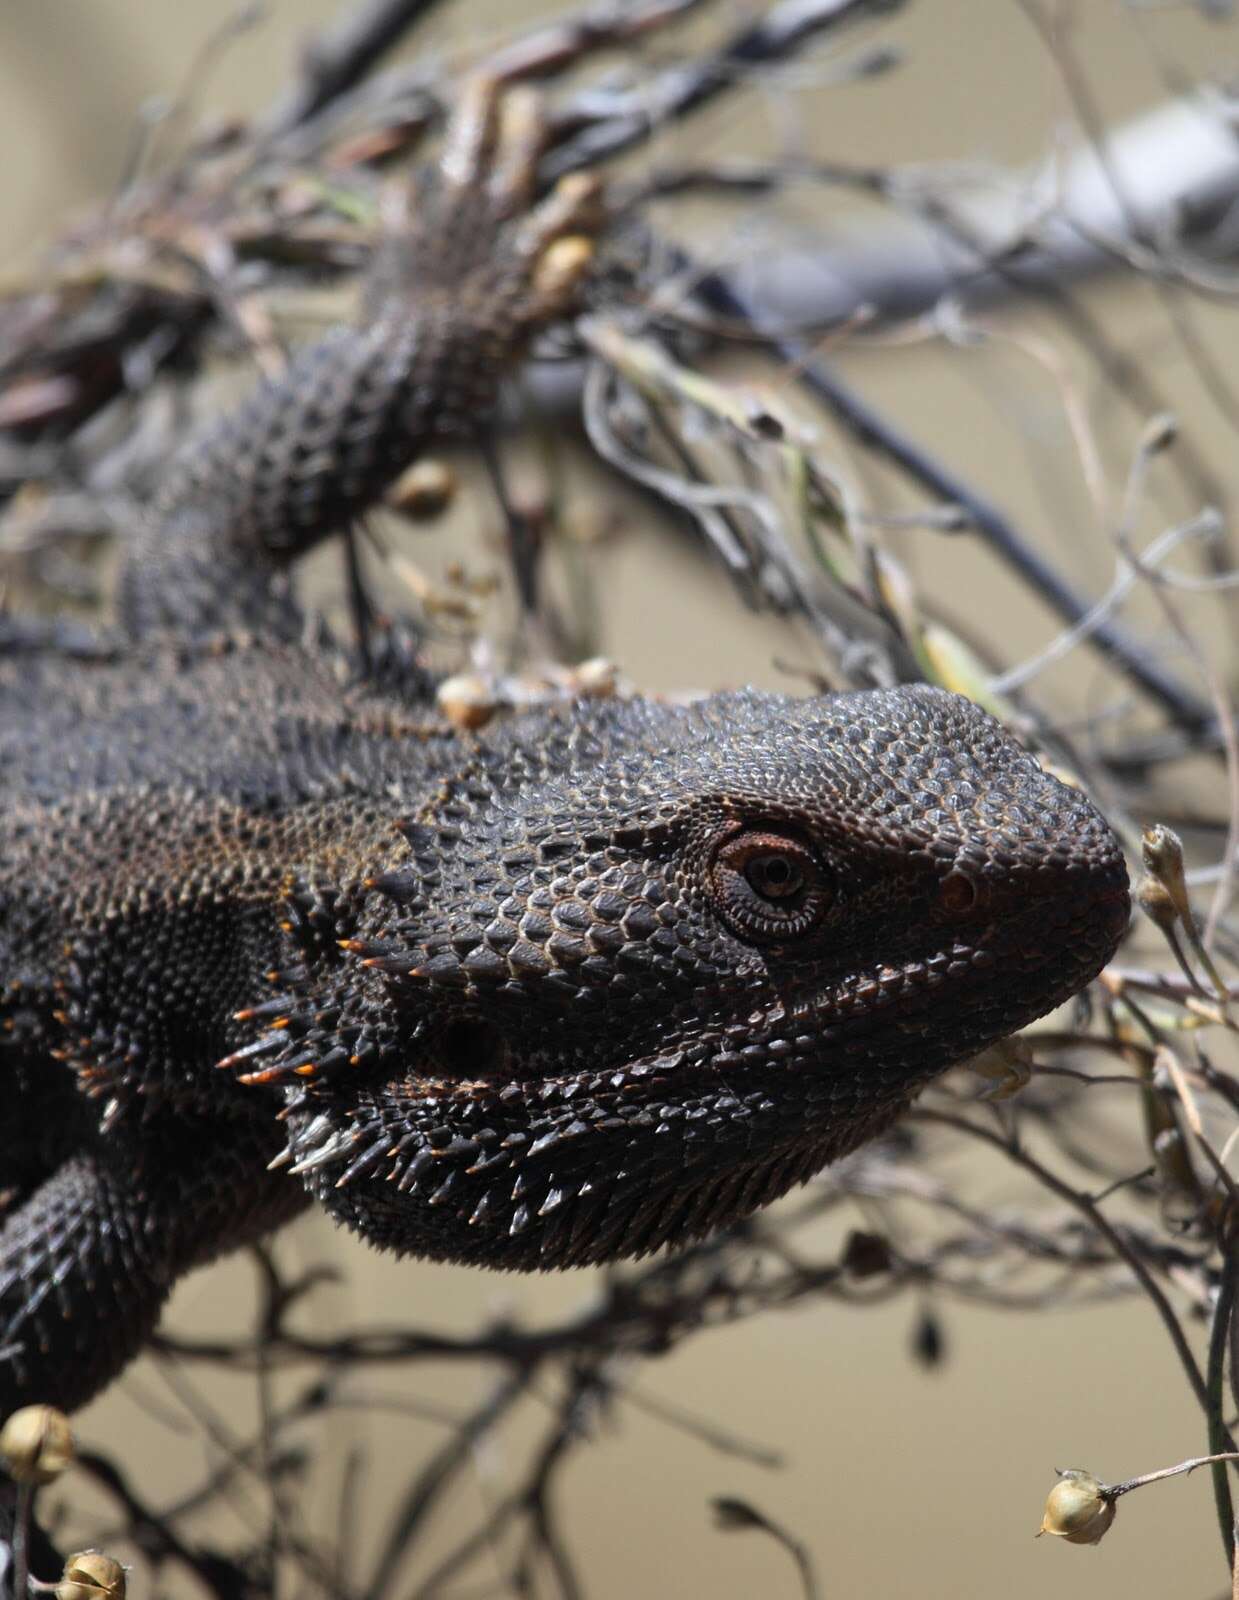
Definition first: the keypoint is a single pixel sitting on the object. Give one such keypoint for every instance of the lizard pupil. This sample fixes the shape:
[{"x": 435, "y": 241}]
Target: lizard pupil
[{"x": 773, "y": 876}]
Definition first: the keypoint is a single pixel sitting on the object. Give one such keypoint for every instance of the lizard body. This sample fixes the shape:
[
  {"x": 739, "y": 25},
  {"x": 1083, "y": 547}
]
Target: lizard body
[{"x": 593, "y": 982}]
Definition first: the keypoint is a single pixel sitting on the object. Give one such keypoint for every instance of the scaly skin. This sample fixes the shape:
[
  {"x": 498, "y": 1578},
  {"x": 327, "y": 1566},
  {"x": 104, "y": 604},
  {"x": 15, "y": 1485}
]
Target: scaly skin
[{"x": 593, "y": 983}]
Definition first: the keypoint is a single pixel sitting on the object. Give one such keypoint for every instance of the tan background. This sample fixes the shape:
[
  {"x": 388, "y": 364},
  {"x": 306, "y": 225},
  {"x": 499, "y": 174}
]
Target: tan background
[{"x": 901, "y": 1482}]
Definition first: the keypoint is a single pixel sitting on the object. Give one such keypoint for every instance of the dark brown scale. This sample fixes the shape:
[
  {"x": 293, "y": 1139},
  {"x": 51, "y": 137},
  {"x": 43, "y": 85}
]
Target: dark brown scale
[{"x": 599, "y": 981}]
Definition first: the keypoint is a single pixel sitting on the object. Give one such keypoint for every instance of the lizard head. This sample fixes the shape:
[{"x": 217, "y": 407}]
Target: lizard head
[{"x": 636, "y": 973}]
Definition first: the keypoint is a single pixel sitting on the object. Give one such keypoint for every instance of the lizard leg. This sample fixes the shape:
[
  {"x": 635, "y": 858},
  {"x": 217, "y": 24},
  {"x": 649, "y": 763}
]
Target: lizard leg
[
  {"x": 82, "y": 1280},
  {"x": 89, "y": 1257},
  {"x": 451, "y": 303}
]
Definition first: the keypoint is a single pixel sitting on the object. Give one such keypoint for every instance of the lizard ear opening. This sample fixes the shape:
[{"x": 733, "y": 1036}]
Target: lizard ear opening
[{"x": 471, "y": 1047}]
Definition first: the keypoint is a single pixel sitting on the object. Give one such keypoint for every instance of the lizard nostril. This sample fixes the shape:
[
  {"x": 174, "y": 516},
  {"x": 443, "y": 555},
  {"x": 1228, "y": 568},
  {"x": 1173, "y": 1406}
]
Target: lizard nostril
[{"x": 957, "y": 894}]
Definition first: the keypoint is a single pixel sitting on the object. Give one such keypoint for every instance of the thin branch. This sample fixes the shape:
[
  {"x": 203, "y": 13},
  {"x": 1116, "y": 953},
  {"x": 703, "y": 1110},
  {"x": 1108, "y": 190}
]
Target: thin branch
[{"x": 342, "y": 55}]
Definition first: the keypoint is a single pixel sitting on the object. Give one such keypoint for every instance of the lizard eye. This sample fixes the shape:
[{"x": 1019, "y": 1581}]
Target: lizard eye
[{"x": 769, "y": 885}]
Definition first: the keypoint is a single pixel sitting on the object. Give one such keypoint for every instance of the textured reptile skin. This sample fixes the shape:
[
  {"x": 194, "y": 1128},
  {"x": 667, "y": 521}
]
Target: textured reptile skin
[{"x": 591, "y": 983}]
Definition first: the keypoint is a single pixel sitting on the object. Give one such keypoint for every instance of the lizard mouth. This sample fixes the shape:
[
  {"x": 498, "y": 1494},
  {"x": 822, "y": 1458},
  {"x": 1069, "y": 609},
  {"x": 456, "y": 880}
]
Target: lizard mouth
[
  {"x": 881, "y": 1017},
  {"x": 567, "y": 1168}
]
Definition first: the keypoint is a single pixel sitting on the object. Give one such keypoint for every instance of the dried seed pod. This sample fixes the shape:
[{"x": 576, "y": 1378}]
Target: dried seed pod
[
  {"x": 1079, "y": 1508},
  {"x": 732, "y": 1514},
  {"x": 865, "y": 1255},
  {"x": 1180, "y": 1197},
  {"x": 1157, "y": 903},
  {"x": 424, "y": 491},
  {"x": 467, "y": 700},
  {"x": 1009, "y": 1066},
  {"x": 596, "y": 678},
  {"x": 563, "y": 266},
  {"x": 1162, "y": 850},
  {"x": 929, "y": 1347},
  {"x": 90, "y": 1575},
  {"x": 36, "y": 1444}
]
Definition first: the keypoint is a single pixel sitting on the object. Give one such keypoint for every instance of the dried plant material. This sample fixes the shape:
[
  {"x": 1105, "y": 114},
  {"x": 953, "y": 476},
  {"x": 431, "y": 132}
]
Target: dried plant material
[
  {"x": 1078, "y": 1509},
  {"x": 89, "y": 1575},
  {"x": 37, "y": 1444}
]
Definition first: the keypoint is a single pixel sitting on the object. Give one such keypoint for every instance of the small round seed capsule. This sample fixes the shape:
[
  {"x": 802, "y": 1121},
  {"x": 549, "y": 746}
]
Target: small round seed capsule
[
  {"x": 1078, "y": 1509},
  {"x": 36, "y": 1444},
  {"x": 89, "y": 1575},
  {"x": 596, "y": 678},
  {"x": 424, "y": 491},
  {"x": 866, "y": 1255},
  {"x": 1162, "y": 852},
  {"x": 1157, "y": 903},
  {"x": 563, "y": 266},
  {"x": 467, "y": 700}
]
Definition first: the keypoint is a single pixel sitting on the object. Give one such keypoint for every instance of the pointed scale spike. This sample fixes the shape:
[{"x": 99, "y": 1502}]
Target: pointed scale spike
[
  {"x": 554, "y": 1241},
  {"x": 333, "y": 1149},
  {"x": 365, "y": 1162},
  {"x": 444, "y": 968},
  {"x": 460, "y": 1149},
  {"x": 280, "y": 1073},
  {"x": 373, "y": 948},
  {"x": 491, "y": 1163},
  {"x": 298, "y": 1099},
  {"x": 333, "y": 1060},
  {"x": 413, "y": 1173},
  {"x": 267, "y": 1008},
  {"x": 396, "y": 966},
  {"x": 399, "y": 885},
  {"x": 317, "y": 1128},
  {"x": 589, "y": 1207},
  {"x": 264, "y": 1046},
  {"x": 420, "y": 838}
]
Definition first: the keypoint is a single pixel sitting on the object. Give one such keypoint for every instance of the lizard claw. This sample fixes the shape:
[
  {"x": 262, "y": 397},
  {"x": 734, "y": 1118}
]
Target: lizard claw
[
  {"x": 471, "y": 136},
  {"x": 493, "y": 143},
  {"x": 521, "y": 140}
]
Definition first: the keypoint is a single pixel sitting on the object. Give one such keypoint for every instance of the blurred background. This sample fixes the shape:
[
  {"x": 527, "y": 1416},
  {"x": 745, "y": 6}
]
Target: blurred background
[{"x": 903, "y": 1469}]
